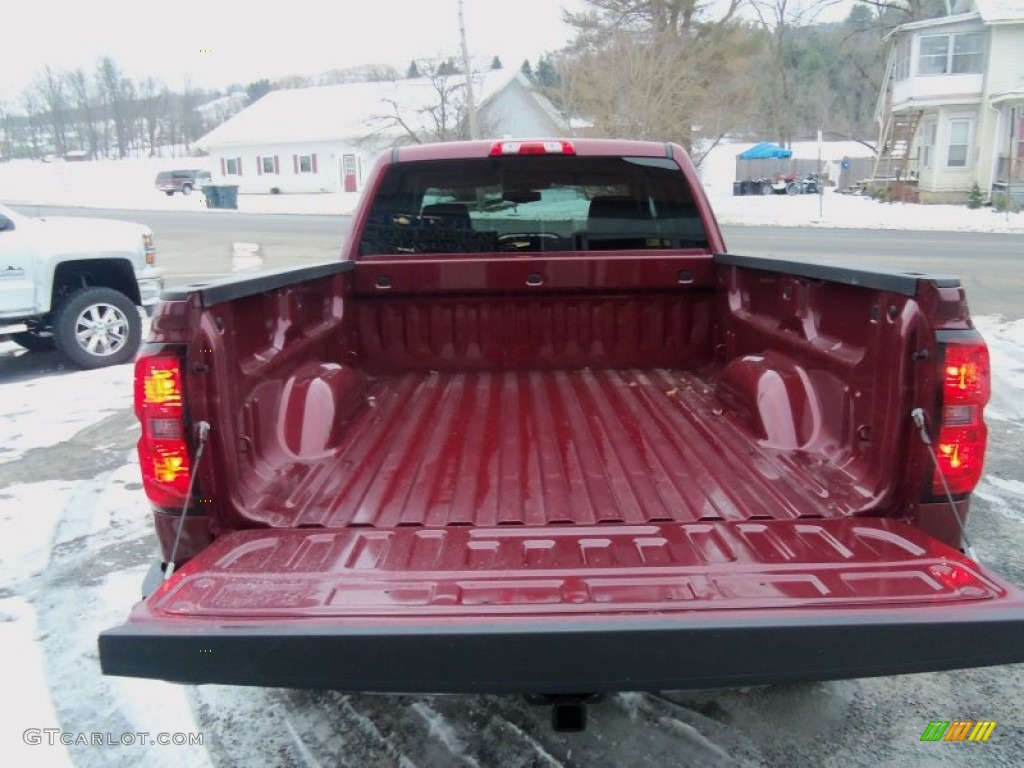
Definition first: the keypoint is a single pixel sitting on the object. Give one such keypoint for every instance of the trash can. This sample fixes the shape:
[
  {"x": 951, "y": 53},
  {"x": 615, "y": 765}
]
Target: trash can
[
  {"x": 229, "y": 196},
  {"x": 739, "y": 188},
  {"x": 211, "y": 195},
  {"x": 221, "y": 196}
]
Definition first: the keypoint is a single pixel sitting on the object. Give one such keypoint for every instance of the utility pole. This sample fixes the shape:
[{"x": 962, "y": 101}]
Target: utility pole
[{"x": 474, "y": 131}]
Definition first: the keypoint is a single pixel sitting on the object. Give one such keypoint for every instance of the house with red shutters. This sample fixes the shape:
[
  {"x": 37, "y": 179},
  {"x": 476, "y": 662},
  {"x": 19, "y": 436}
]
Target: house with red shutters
[{"x": 321, "y": 139}]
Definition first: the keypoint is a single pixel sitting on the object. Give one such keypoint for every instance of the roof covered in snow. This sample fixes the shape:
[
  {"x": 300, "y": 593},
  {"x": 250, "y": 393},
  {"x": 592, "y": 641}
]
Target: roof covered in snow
[
  {"x": 348, "y": 111},
  {"x": 1000, "y": 11}
]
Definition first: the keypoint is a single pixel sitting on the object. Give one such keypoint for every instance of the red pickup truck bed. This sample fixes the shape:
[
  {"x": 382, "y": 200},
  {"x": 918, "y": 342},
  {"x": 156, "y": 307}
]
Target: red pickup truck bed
[
  {"x": 538, "y": 434},
  {"x": 551, "y": 447}
]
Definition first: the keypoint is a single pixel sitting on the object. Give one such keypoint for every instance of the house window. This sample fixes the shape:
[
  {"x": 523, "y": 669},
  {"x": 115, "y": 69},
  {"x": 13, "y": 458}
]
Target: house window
[
  {"x": 269, "y": 164},
  {"x": 901, "y": 64},
  {"x": 928, "y": 144},
  {"x": 951, "y": 54},
  {"x": 231, "y": 166},
  {"x": 304, "y": 163},
  {"x": 959, "y": 141},
  {"x": 968, "y": 56}
]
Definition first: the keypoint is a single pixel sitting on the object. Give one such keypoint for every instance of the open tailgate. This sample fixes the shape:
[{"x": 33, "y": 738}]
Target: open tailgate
[{"x": 570, "y": 608}]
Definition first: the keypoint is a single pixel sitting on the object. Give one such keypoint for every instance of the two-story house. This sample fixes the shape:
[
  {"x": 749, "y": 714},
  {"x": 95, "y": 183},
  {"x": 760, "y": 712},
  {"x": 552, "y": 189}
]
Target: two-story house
[{"x": 951, "y": 110}]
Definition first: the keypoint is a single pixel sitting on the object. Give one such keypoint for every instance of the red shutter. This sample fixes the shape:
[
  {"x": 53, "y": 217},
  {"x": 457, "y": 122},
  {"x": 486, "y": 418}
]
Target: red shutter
[
  {"x": 314, "y": 162},
  {"x": 239, "y": 161},
  {"x": 295, "y": 163},
  {"x": 277, "y": 165},
  {"x": 259, "y": 165},
  {"x": 223, "y": 167}
]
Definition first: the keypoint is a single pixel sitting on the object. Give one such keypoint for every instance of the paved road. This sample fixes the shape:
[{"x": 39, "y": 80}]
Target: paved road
[{"x": 991, "y": 266}]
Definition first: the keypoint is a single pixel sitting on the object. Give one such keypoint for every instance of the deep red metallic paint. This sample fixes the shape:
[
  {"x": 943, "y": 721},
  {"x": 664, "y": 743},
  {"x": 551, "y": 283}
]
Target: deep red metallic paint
[
  {"x": 458, "y": 574},
  {"x": 621, "y": 388},
  {"x": 462, "y": 453}
]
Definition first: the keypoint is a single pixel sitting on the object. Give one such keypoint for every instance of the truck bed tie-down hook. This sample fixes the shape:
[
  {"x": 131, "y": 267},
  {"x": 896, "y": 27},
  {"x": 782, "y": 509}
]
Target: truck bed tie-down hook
[
  {"x": 203, "y": 428},
  {"x": 921, "y": 422}
]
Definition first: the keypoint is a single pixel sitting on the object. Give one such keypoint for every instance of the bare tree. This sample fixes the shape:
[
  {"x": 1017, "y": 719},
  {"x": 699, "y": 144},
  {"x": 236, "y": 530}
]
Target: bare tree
[
  {"x": 778, "y": 18},
  {"x": 35, "y": 112},
  {"x": 153, "y": 106},
  {"x": 109, "y": 82},
  {"x": 85, "y": 109},
  {"x": 443, "y": 117},
  {"x": 891, "y": 13},
  {"x": 50, "y": 87},
  {"x": 5, "y": 125},
  {"x": 656, "y": 69}
]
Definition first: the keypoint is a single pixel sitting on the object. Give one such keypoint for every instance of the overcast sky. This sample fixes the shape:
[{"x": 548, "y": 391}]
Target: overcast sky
[{"x": 218, "y": 42}]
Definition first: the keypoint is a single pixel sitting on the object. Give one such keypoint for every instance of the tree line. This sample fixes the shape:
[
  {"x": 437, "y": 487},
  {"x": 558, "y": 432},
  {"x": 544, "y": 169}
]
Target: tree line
[
  {"x": 692, "y": 71},
  {"x": 696, "y": 71},
  {"x": 101, "y": 114}
]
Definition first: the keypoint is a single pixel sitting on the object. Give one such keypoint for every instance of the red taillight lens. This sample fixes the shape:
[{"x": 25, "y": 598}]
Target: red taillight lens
[
  {"x": 163, "y": 452},
  {"x": 532, "y": 148},
  {"x": 966, "y": 386},
  {"x": 966, "y": 375}
]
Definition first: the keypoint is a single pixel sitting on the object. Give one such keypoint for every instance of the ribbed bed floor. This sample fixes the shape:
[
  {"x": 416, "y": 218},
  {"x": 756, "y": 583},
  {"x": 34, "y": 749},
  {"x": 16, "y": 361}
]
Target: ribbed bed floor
[{"x": 551, "y": 447}]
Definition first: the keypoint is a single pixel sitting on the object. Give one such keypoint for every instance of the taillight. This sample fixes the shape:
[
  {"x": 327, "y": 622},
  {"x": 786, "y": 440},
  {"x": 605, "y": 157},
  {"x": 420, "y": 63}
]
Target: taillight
[
  {"x": 532, "y": 148},
  {"x": 163, "y": 452},
  {"x": 966, "y": 386}
]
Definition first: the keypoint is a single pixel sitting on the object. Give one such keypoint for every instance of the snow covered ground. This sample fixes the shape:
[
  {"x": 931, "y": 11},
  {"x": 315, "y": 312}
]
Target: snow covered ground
[
  {"x": 128, "y": 184},
  {"x": 75, "y": 542}
]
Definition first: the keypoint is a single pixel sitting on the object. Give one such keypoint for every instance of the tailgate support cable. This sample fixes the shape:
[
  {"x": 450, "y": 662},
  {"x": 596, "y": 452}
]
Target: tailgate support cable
[
  {"x": 204, "y": 432},
  {"x": 921, "y": 423}
]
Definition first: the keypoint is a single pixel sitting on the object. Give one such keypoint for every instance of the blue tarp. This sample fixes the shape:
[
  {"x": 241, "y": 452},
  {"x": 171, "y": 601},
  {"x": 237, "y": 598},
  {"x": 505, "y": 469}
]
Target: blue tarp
[{"x": 765, "y": 151}]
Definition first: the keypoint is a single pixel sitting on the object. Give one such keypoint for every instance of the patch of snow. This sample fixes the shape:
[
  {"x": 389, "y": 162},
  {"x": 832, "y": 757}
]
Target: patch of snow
[
  {"x": 442, "y": 730},
  {"x": 1005, "y": 340},
  {"x": 1016, "y": 487},
  {"x": 29, "y": 516},
  {"x": 49, "y": 410},
  {"x": 24, "y": 675}
]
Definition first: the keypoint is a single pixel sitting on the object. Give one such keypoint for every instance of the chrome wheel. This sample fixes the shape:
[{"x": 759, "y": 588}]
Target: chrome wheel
[{"x": 101, "y": 330}]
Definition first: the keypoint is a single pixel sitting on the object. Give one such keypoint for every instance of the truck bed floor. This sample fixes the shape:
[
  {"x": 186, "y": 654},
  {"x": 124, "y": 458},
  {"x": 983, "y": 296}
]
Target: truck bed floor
[{"x": 548, "y": 448}]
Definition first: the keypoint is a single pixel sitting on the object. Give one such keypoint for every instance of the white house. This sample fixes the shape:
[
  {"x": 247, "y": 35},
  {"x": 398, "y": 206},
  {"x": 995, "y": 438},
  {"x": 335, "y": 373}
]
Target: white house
[
  {"x": 320, "y": 139},
  {"x": 952, "y": 107}
]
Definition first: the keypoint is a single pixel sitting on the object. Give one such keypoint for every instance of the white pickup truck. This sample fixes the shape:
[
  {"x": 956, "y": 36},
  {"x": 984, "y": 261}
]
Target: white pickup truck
[{"x": 76, "y": 284}]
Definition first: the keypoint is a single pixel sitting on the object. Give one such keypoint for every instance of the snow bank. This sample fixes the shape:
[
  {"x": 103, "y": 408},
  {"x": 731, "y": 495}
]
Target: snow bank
[
  {"x": 128, "y": 184},
  {"x": 50, "y": 410},
  {"x": 718, "y": 172}
]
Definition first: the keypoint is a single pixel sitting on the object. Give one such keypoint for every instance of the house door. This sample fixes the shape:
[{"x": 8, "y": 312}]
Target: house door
[{"x": 348, "y": 172}]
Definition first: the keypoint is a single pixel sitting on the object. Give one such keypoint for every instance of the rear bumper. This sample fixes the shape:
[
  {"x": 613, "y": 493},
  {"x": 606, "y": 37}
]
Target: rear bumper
[{"x": 570, "y": 656}]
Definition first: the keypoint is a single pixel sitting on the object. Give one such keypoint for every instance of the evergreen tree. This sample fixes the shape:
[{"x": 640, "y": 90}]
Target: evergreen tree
[
  {"x": 496, "y": 63},
  {"x": 527, "y": 69},
  {"x": 413, "y": 71},
  {"x": 257, "y": 90},
  {"x": 547, "y": 75}
]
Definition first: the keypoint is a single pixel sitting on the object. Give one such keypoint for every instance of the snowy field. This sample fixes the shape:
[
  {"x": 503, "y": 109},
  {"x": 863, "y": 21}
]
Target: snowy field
[{"x": 128, "y": 184}]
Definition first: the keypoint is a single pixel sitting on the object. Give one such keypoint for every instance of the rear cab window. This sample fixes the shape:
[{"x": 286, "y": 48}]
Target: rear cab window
[{"x": 532, "y": 204}]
